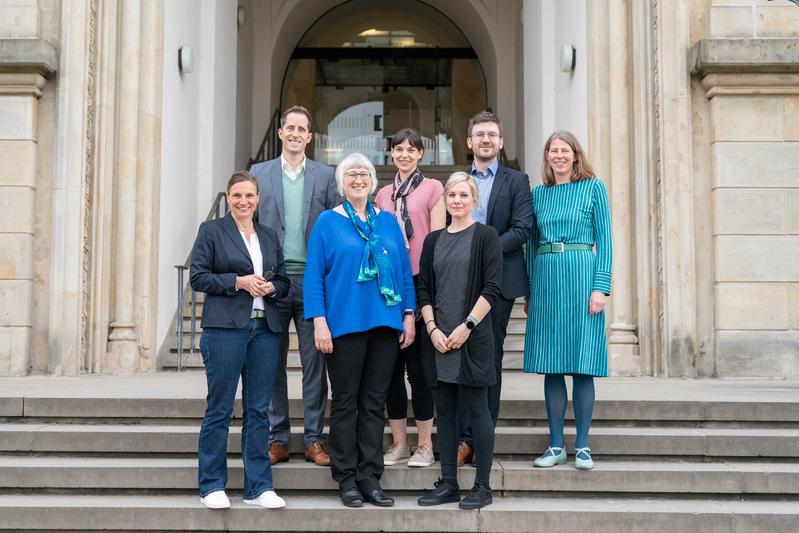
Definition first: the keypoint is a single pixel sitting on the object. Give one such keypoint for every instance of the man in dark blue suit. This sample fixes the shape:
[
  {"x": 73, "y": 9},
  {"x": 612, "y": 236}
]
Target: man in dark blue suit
[
  {"x": 505, "y": 205},
  {"x": 294, "y": 191}
]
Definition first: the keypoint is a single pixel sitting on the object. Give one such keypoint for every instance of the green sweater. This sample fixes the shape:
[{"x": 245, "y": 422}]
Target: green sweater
[{"x": 294, "y": 243}]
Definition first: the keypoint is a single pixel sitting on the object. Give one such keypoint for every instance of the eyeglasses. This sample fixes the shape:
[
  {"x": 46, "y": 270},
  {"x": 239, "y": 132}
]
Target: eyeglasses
[
  {"x": 362, "y": 175},
  {"x": 492, "y": 135}
]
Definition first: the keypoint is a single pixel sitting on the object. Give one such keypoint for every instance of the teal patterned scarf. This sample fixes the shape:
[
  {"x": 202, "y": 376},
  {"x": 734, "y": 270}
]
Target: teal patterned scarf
[{"x": 374, "y": 263}]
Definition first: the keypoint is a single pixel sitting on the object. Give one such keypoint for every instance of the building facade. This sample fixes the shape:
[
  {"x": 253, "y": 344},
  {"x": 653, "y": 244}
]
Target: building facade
[{"x": 120, "y": 121}]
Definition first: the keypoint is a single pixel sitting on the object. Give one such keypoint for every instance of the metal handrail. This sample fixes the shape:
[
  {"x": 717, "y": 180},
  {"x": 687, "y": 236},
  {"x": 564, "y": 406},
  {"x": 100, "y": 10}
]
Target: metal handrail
[
  {"x": 271, "y": 144},
  {"x": 218, "y": 210}
]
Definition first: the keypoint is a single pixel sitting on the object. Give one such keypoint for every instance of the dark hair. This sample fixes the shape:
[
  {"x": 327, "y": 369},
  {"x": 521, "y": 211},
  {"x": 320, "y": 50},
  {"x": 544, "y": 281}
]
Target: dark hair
[
  {"x": 295, "y": 109},
  {"x": 410, "y": 135},
  {"x": 239, "y": 176},
  {"x": 581, "y": 168},
  {"x": 480, "y": 118}
]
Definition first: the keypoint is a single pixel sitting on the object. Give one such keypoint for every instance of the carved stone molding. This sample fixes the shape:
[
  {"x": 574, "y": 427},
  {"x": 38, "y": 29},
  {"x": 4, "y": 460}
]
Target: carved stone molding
[{"x": 88, "y": 184}]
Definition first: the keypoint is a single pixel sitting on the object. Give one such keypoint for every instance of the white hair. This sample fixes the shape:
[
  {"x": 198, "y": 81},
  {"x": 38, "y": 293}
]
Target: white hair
[{"x": 355, "y": 160}]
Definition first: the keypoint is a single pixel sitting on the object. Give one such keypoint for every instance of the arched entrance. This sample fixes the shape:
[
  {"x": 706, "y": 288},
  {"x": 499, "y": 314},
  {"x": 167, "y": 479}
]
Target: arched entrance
[{"x": 366, "y": 69}]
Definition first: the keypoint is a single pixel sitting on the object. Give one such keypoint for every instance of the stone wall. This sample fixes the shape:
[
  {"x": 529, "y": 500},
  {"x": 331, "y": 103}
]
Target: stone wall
[
  {"x": 753, "y": 89},
  {"x": 25, "y": 62}
]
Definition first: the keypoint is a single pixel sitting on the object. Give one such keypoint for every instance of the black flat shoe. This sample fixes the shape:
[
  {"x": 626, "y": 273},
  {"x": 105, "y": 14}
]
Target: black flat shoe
[
  {"x": 352, "y": 497},
  {"x": 442, "y": 493},
  {"x": 478, "y": 497},
  {"x": 378, "y": 497}
]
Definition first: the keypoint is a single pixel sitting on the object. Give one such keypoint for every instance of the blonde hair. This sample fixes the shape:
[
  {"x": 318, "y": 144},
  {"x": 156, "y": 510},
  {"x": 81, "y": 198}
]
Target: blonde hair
[
  {"x": 581, "y": 168},
  {"x": 459, "y": 177}
]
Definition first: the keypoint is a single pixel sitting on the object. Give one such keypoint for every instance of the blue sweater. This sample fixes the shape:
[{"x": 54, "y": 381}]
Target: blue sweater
[{"x": 330, "y": 288}]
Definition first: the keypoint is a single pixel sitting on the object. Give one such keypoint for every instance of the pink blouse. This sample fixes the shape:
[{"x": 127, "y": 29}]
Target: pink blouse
[{"x": 420, "y": 203}]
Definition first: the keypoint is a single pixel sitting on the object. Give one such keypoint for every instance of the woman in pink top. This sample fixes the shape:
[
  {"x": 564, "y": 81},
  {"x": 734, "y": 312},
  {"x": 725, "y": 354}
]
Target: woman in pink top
[{"x": 418, "y": 204}]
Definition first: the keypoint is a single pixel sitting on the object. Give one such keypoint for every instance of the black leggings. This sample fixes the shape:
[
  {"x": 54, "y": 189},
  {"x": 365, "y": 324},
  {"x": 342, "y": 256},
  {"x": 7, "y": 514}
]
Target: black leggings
[
  {"x": 422, "y": 398},
  {"x": 476, "y": 401}
]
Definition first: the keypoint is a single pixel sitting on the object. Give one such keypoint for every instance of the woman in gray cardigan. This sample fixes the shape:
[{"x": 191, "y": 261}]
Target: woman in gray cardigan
[{"x": 459, "y": 280}]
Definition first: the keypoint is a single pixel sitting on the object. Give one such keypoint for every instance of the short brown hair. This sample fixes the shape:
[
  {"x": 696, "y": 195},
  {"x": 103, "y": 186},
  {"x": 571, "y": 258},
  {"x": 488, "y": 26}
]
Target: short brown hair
[
  {"x": 239, "y": 176},
  {"x": 482, "y": 117},
  {"x": 581, "y": 168},
  {"x": 295, "y": 109}
]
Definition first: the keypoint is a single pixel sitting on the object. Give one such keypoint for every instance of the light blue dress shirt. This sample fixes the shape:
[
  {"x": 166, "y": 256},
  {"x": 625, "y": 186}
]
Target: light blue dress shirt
[{"x": 484, "y": 184}]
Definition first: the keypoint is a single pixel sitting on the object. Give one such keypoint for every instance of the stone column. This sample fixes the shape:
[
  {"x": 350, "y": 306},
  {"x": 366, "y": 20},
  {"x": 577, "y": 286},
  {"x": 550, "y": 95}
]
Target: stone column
[
  {"x": 24, "y": 63},
  {"x": 644, "y": 196},
  {"x": 674, "y": 155},
  {"x": 147, "y": 179},
  {"x": 612, "y": 154},
  {"x": 622, "y": 340},
  {"x": 123, "y": 356}
]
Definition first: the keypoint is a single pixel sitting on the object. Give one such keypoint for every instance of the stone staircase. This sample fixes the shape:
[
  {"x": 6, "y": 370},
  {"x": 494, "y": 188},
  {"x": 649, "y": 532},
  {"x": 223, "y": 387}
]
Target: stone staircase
[
  {"x": 119, "y": 453},
  {"x": 168, "y": 360}
]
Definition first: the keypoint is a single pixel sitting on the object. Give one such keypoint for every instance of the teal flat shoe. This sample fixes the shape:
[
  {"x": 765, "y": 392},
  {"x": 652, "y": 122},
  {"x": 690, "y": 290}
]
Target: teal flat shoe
[
  {"x": 551, "y": 457},
  {"x": 582, "y": 459}
]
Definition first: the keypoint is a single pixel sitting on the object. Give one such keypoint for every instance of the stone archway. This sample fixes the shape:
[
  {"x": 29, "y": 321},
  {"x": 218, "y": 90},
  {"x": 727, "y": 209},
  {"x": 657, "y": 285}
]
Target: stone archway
[{"x": 284, "y": 24}]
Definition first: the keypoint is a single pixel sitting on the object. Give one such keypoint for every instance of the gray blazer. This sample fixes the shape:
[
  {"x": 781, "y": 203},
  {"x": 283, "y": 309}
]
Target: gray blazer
[{"x": 320, "y": 193}]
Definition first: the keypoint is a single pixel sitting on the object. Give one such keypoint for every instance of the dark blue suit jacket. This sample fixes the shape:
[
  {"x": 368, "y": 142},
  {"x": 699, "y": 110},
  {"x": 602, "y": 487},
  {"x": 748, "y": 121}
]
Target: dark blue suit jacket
[
  {"x": 218, "y": 257},
  {"x": 510, "y": 212}
]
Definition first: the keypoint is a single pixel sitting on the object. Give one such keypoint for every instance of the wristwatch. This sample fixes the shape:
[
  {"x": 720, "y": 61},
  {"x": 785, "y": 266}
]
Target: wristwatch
[
  {"x": 409, "y": 312},
  {"x": 470, "y": 322}
]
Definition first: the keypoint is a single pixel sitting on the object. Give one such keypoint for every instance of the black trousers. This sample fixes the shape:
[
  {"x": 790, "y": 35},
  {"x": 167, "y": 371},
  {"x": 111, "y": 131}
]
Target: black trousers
[
  {"x": 421, "y": 397},
  {"x": 359, "y": 368},
  {"x": 499, "y": 316},
  {"x": 449, "y": 397}
]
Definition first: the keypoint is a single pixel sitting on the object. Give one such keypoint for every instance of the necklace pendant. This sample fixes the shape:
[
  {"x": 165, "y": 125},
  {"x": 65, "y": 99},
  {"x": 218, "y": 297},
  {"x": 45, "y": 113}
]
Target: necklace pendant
[{"x": 385, "y": 252}]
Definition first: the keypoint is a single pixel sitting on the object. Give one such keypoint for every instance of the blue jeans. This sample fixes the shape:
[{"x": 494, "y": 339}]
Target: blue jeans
[{"x": 250, "y": 353}]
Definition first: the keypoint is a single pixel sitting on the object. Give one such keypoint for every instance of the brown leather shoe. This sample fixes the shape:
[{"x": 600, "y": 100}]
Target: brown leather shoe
[
  {"x": 317, "y": 453},
  {"x": 464, "y": 453},
  {"x": 278, "y": 453}
]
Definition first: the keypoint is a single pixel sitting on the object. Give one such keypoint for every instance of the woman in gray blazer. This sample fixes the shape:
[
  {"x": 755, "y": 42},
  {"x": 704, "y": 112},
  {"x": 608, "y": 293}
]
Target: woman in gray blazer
[{"x": 238, "y": 264}]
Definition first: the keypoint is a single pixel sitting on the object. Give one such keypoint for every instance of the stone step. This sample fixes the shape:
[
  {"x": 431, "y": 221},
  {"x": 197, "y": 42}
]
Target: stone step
[
  {"x": 179, "y": 398},
  {"x": 516, "y": 327},
  {"x": 646, "y": 476},
  {"x": 122, "y": 513},
  {"x": 512, "y": 360},
  {"x": 619, "y": 442},
  {"x": 517, "y": 311}
]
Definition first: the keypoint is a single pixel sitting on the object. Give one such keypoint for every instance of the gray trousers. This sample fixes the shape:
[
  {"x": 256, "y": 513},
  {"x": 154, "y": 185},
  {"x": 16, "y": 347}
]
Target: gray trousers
[{"x": 314, "y": 378}]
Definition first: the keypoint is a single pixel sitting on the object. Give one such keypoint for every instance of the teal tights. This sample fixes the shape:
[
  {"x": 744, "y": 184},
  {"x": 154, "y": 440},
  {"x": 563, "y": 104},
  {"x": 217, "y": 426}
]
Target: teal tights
[{"x": 556, "y": 399}]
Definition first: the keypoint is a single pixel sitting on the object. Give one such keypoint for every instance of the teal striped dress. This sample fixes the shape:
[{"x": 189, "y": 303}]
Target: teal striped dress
[{"x": 561, "y": 337}]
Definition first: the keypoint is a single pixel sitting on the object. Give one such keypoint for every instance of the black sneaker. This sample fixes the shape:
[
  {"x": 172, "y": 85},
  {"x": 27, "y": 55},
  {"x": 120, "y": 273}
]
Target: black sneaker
[
  {"x": 443, "y": 492},
  {"x": 478, "y": 497}
]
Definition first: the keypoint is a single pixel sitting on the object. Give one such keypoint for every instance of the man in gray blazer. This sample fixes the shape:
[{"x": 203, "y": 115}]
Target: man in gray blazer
[{"x": 294, "y": 190}]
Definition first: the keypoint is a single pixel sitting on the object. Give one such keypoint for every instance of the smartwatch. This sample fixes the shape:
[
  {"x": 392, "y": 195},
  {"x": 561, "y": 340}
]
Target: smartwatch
[{"x": 470, "y": 322}]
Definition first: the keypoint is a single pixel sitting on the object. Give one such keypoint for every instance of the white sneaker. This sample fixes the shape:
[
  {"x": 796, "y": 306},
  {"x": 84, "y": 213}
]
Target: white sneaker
[
  {"x": 216, "y": 500},
  {"x": 268, "y": 499},
  {"x": 396, "y": 454},
  {"x": 422, "y": 456}
]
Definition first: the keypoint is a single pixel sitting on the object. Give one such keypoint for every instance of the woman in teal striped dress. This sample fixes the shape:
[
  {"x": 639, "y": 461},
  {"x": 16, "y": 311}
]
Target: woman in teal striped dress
[{"x": 569, "y": 283}]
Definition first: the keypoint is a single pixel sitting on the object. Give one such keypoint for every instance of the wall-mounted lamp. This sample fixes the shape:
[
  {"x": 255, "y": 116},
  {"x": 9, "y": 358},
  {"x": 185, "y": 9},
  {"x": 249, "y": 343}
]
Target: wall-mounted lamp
[
  {"x": 568, "y": 58},
  {"x": 241, "y": 16},
  {"x": 185, "y": 60}
]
